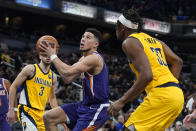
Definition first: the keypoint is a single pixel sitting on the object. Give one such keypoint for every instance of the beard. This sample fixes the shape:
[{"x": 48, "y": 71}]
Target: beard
[
  {"x": 46, "y": 63},
  {"x": 85, "y": 50}
]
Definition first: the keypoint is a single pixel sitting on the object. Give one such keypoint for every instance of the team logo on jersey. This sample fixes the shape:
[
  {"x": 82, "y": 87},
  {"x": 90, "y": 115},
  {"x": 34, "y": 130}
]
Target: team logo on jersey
[
  {"x": 43, "y": 82},
  {"x": 2, "y": 93},
  {"x": 49, "y": 76}
]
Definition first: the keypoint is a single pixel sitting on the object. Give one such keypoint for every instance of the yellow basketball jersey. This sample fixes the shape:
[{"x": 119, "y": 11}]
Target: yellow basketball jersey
[
  {"x": 36, "y": 90},
  {"x": 154, "y": 52}
]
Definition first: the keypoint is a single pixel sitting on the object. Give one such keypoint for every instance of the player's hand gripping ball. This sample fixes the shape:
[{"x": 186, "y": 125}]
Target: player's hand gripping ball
[{"x": 48, "y": 40}]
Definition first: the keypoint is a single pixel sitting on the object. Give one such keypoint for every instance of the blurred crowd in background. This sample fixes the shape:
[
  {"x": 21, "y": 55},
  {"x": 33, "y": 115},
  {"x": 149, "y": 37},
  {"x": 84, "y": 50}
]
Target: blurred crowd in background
[
  {"x": 12, "y": 60},
  {"x": 166, "y": 10},
  {"x": 120, "y": 80}
]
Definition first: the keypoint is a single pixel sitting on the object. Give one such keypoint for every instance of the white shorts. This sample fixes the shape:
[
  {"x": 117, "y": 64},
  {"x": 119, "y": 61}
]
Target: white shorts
[{"x": 27, "y": 124}]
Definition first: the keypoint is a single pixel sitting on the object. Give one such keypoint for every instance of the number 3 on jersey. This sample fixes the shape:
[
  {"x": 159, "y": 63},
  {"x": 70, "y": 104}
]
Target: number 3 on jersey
[
  {"x": 159, "y": 56},
  {"x": 41, "y": 91}
]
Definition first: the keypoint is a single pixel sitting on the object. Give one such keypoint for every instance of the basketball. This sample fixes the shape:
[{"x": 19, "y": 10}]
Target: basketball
[{"x": 47, "y": 39}]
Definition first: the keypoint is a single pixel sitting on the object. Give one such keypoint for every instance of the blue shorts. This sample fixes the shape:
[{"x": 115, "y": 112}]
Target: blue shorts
[
  {"x": 81, "y": 117},
  {"x": 4, "y": 126}
]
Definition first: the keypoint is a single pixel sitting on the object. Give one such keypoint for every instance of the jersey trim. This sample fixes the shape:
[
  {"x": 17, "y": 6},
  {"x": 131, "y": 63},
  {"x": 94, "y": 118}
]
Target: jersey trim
[
  {"x": 21, "y": 109},
  {"x": 91, "y": 84},
  {"x": 52, "y": 79},
  {"x": 42, "y": 70},
  {"x": 4, "y": 86},
  {"x": 104, "y": 65},
  {"x": 26, "y": 95},
  {"x": 97, "y": 113},
  {"x": 33, "y": 74}
]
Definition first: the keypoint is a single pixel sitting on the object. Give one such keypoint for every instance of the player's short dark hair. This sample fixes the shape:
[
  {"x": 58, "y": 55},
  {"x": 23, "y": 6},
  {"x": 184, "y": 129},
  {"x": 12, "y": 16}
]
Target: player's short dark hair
[
  {"x": 96, "y": 33},
  {"x": 133, "y": 16}
]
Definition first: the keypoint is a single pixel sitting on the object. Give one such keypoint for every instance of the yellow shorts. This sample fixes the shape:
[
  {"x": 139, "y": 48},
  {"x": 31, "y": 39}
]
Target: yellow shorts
[
  {"x": 31, "y": 119},
  {"x": 158, "y": 110}
]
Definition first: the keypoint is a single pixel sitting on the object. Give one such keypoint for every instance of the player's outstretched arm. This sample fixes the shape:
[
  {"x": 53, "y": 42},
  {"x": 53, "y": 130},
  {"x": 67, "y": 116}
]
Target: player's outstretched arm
[
  {"x": 134, "y": 51},
  {"x": 27, "y": 72},
  {"x": 67, "y": 72},
  {"x": 70, "y": 73},
  {"x": 171, "y": 58}
]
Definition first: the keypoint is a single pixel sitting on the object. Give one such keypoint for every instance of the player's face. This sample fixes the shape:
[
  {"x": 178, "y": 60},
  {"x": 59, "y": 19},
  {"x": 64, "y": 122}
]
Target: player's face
[
  {"x": 119, "y": 31},
  {"x": 88, "y": 41},
  {"x": 46, "y": 60}
]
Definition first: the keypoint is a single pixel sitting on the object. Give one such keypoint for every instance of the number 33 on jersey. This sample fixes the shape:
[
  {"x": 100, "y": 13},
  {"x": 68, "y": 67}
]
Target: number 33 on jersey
[{"x": 155, "y": 54}]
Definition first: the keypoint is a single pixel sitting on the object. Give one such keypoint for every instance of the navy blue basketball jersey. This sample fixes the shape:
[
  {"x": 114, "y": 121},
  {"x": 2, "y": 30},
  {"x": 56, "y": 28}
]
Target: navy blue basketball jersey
[
  {"x": 95, "y": 87},
  {"x": 3, "y": 98}
]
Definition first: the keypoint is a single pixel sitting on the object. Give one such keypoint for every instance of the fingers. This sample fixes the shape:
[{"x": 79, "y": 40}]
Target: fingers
[
  {"x": 112, "y": 111},
  {"x": 10, "y": 120},
  {"x": 109, "y": 110},
  {"x": 186, "y": 118},
  {"x": 46, "y": 49},
  {"x": 43, "y": 46},
  {"x": 189, "y": 118}
]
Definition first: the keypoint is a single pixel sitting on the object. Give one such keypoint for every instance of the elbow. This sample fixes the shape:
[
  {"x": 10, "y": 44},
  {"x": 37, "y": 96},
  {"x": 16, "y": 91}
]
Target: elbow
[
  {"x": 67, "y": 81},
  {"x": 180, "y": 61},
  {"x": 148, "y": 77},
  {"x": 177, "y": 61},
  {"x": 65, "y": 75}
]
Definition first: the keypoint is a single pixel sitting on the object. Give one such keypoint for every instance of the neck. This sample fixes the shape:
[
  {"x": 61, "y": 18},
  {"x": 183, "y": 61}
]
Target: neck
[
  {"x": 88, "y": 52},
  {"x": 129, "y": 32},
  {"x": 44, "y": 67}
]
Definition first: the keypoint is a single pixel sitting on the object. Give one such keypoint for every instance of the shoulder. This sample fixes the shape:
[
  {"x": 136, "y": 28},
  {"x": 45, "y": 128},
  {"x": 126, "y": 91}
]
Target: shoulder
[
  {"x": 93, "y": 58},
  {"x": 30, "y": 67},
  {"x": 97, "y": 56},
  {"x": 6, "y": 83},
  {"x": 28, "y": 70},
  {"x": 131, "y": 42},
  {"x": 81, "y": 58}
]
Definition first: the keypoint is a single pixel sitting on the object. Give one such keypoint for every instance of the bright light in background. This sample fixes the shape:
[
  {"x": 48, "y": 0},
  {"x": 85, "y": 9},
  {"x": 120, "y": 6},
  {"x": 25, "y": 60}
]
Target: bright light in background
[
  {"x": 157, "y": 26},
  {"x": 48, "y": 4},
  {"x": 6, "y": 20},
  {"x": 111, "y": 17},
  {"x": 78, "y": 9},
  {"x": 194, "y": 30}
]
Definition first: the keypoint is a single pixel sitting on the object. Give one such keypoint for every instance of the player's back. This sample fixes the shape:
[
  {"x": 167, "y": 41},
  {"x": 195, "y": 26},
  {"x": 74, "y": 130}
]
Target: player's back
[
  {"x": 96, "y": 86},
  {"x": 3, "y": 98},
  {"x": 154, "y": 52},
  {"x": 36, "y": 90}
]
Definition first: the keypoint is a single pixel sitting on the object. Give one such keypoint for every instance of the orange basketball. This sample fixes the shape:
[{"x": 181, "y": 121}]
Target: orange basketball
[{"x": 47, "y": 39}]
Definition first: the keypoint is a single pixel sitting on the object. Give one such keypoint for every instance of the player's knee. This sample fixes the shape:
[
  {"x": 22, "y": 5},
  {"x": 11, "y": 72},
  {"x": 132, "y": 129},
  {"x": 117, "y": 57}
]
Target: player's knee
[{"x": 47, "y": 118}]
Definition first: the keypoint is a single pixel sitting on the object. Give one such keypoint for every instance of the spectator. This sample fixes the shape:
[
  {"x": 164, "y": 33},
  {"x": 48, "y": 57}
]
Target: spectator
[{"x": 119, "y": 125}]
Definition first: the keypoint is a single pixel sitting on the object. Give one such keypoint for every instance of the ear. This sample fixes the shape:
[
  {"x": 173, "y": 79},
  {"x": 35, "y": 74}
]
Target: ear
[
  {"x": 96, "y": 44},
  {"x": 123, "y": 27}
]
